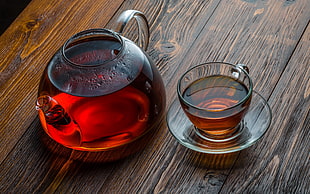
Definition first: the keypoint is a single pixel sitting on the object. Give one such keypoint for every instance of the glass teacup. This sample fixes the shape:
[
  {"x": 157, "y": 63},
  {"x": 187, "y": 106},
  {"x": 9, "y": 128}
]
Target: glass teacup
[
  {"x": 217, "y": 110},
  {"x": 215, "y": 97}
]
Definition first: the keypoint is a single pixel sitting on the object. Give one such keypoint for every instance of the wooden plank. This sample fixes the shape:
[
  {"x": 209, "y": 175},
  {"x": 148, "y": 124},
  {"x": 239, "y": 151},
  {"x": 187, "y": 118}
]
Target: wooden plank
[
  {"x": 151, "y": 156},
  {"x": 27, "y": 46},
  {"x": 280, "y": 163},
  {"x": 256, "y": 33},
  {"x": 179, "y": 40},
  {"x": 21, "y": 173},
  {"x": 161, "y": 164}
]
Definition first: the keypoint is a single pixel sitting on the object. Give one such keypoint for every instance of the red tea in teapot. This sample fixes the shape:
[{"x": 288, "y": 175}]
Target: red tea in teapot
[
  {"x": 107, "y": 120},
  {"x": 97, "y": 102}
]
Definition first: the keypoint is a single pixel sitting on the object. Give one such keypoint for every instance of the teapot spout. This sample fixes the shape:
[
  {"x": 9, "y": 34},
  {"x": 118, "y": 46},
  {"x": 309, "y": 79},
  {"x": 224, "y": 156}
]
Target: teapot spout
[
  {"x": 56, "y": 121},
  {"x": 53, "y": 112}
]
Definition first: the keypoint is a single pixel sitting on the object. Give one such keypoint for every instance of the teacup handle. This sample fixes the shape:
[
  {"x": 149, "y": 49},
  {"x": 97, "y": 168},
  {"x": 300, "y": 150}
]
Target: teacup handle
[
  {"x": 143, "y": 26},
  {"x": 244, "y": 67}
]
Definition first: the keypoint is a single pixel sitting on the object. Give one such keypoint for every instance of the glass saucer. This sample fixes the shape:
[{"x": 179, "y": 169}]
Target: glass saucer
[{"x": 254, "y": 126}]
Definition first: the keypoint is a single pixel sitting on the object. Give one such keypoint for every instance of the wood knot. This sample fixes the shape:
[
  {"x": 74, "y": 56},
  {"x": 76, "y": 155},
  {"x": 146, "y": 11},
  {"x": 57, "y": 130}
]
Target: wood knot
[
  {"x": 214, "y": 179},
  {"x": 289, "y": 2},
  {"x": 31, "y": 25},
  {"x": 167, "y": 47}
]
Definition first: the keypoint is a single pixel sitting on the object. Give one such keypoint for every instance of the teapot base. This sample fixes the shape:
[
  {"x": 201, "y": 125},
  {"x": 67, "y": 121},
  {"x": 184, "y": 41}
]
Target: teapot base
[{"x": 103, "y": 155}]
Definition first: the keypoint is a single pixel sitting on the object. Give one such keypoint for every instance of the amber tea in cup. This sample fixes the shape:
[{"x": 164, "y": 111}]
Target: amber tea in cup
[{"x": 215, "y": 97}]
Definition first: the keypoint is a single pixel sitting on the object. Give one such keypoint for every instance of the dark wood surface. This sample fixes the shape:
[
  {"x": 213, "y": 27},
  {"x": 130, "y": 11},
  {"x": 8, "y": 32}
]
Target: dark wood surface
[{"x": 271, "y": 37}]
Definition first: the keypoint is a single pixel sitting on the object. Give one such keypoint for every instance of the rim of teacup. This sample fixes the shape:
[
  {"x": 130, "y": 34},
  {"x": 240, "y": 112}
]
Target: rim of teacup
[{"x": 249, "y": 94}]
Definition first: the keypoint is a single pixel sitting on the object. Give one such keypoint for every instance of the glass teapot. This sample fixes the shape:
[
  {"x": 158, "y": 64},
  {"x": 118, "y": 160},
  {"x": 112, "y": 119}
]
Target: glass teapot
[{"x": 101, "y": 90}]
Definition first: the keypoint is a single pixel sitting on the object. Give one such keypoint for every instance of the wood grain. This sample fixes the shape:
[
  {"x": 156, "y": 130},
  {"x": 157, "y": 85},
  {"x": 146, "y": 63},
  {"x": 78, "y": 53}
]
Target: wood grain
[
  {"x": 282, "y": 165},
  {"x": 30, "y": 42},
  {"x": 231, "y": 37},
  {"x": 271, "y": 37}
]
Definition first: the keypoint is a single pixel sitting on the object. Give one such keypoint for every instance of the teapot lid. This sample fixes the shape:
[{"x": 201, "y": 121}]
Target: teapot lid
[{"x": 95, "y": 62}]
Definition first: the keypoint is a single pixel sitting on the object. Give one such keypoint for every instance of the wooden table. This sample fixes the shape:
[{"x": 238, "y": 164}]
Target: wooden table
[{"x": 271, "y": 37}]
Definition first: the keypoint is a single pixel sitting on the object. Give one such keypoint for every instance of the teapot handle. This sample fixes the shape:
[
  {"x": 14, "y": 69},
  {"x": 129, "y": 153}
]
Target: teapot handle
[{"x": 143, "y": 26}]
